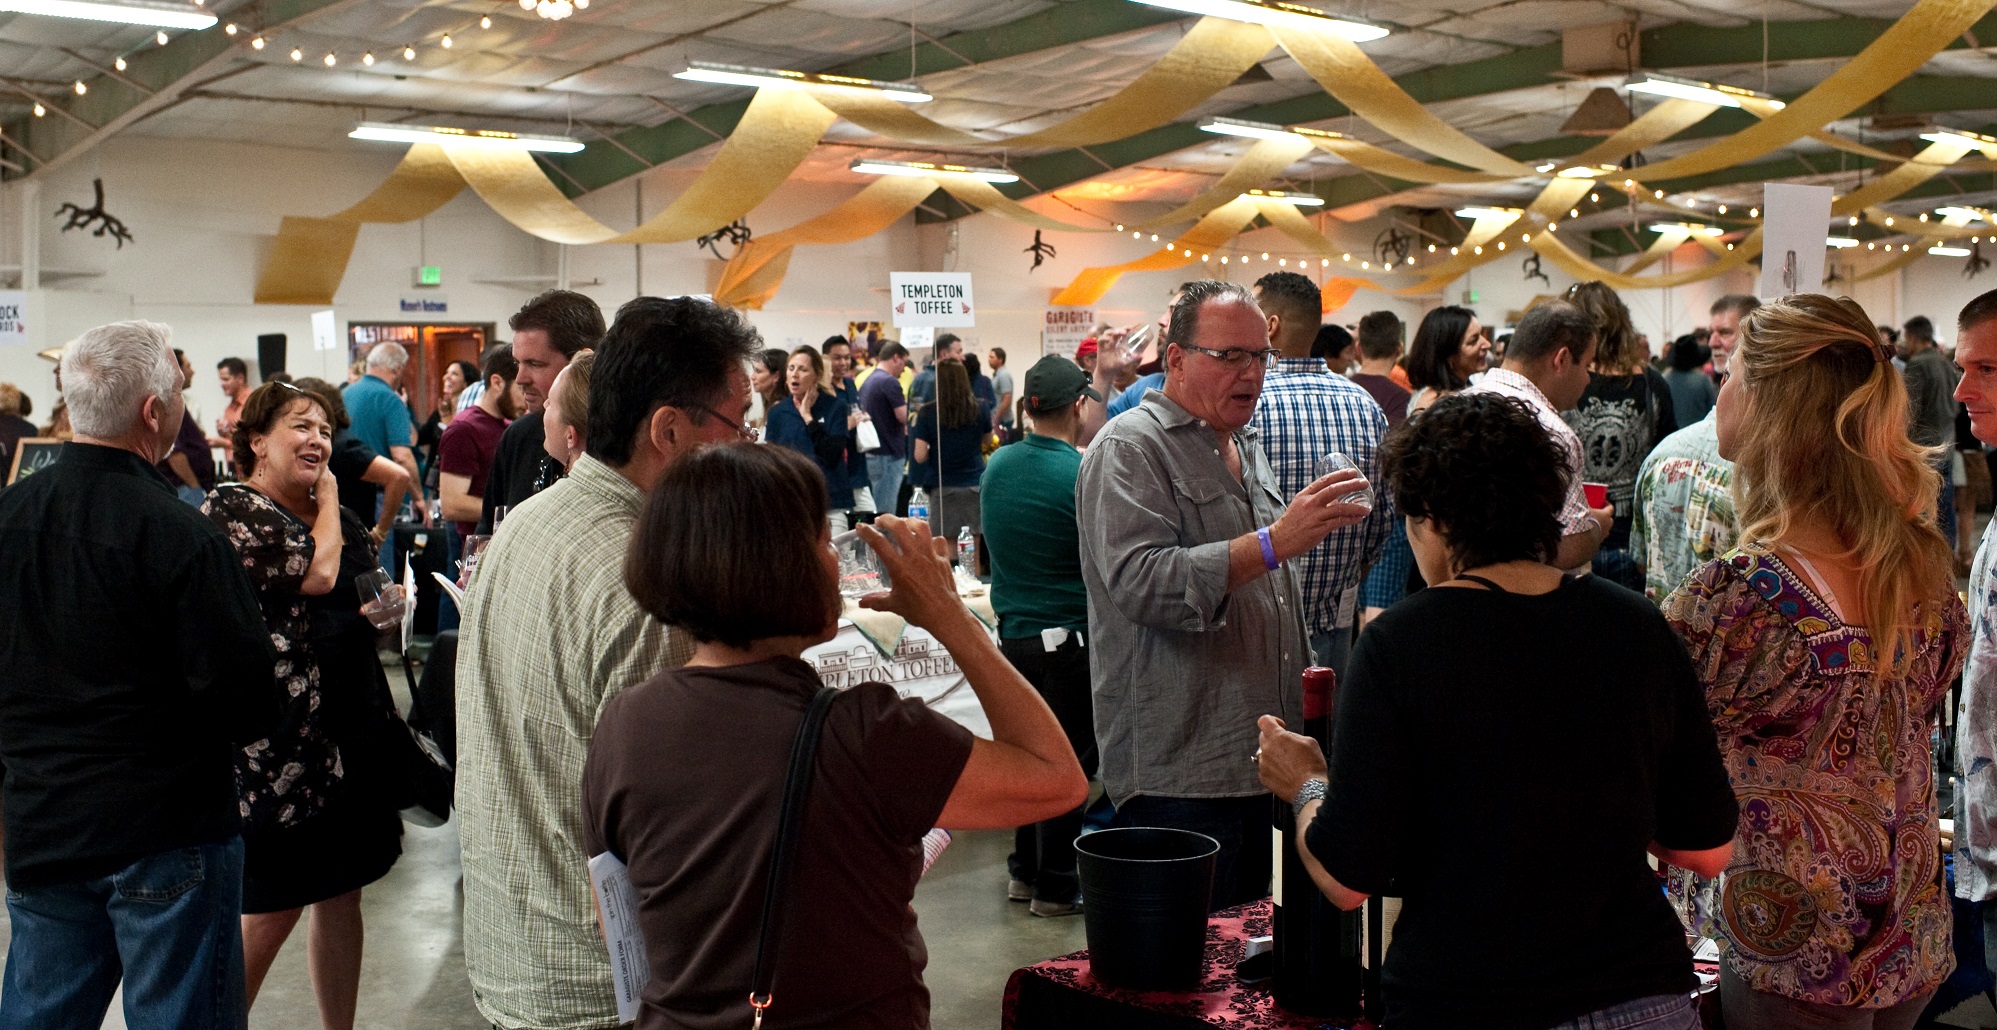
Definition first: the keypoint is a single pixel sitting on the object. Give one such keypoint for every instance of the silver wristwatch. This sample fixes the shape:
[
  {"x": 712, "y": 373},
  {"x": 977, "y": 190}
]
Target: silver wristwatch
[{"x": 1312, "y": 790}]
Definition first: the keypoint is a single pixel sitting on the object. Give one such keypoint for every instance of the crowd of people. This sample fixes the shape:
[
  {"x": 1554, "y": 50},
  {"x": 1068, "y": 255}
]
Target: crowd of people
[{"x": 1665, "y": 636}]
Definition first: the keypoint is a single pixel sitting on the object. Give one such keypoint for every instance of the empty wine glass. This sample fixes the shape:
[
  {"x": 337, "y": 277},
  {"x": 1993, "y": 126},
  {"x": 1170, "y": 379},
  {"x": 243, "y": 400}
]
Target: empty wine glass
[
  {"x": 1336, "y": 462},
  {"x": 860, "y": 569},
  {"x": 382, "y": 599}
]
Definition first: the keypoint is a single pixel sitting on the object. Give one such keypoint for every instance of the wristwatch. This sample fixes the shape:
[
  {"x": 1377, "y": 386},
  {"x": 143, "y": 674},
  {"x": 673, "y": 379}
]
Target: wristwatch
[{"x": 1312, "y": 790}]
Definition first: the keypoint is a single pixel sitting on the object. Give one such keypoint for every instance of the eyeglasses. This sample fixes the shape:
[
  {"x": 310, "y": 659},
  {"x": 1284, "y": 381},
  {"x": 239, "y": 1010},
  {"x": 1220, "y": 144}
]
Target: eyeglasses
[
  {"x": 747, "y": 431},
  {"x": 1237, "y": 359}
]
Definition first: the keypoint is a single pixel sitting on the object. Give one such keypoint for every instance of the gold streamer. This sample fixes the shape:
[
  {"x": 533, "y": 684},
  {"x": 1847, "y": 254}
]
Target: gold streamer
[
  {"x": 1552, "y": 248},
  {"x": 1666, "y": 242},
  {"x": 753, "y": 275},
  {"x": 1897, "y": 263},
  {"x": 1220, "y": 225},
  {"x": 1211, "y": 55},
  {"x": 309, "y": 258}
]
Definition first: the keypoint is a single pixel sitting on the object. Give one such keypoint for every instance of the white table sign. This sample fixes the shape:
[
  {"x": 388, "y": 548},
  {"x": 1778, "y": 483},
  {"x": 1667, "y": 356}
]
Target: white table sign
[{"x": 920, "y": 668}]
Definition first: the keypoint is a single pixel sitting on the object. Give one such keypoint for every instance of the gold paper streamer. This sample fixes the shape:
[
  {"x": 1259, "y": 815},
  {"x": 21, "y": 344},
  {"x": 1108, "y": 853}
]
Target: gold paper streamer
[
  {"x": 309, "y": 258},
  {"x": 753, "y": 275},
  {"x": 1667, "y": 241},
  {"x": 1220, "y": 225},
  {"x": 1205, "y": 61},
  {"x": 1552, "y": 248},
  {"x": 1898, "y": 262}
]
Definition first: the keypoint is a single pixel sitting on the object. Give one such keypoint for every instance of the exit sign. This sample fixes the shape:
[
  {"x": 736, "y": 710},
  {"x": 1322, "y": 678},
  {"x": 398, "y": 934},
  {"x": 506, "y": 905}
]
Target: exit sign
[{"x": 429, "y": 275}]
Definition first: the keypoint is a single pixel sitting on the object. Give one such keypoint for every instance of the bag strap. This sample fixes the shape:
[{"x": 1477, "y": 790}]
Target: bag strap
[{"x": 790, "y": 822}]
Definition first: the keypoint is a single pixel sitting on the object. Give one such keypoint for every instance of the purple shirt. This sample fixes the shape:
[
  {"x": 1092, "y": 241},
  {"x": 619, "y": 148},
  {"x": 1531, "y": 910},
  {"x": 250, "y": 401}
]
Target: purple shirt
[
  {"x": 193, "y": 443},
  {"x": 879, "y": 396}
]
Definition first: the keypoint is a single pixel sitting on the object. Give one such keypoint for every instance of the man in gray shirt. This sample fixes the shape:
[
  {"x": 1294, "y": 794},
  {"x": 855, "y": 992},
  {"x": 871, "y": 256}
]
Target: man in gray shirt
[
  {"x": 1931, "y": 405},
  {"x": 1195, "y": 612}
]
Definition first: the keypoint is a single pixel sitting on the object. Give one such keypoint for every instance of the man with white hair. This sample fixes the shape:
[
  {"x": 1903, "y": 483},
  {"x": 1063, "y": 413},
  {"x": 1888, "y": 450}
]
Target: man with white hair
[
  {"x": 380, "y": 418},
  {"x": 133, "y": 662}
]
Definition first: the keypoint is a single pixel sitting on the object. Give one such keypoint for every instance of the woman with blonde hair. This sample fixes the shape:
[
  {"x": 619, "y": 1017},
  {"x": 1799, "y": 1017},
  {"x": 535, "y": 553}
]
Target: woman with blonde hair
[
  {"x": 1825, "y": 642},
  {"x": 1624, "y": 412}
]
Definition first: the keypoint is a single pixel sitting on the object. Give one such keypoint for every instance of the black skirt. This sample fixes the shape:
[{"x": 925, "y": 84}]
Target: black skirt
[{"x": 353, "y": 842}]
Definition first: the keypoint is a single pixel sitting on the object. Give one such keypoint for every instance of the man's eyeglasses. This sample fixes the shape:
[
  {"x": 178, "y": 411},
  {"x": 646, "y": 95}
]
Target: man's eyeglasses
[
  {"x": 1238, "y": 359},
  {"x": 747, "y": 431}
]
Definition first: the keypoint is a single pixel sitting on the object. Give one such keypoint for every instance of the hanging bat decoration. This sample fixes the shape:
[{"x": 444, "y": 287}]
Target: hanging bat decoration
[
  {"x": 1041, "y": 250},
  {"x": 84, "y": 217},
  {"x": 1533, "y": 271},
  {"x": 1976, "y": 263},
  {"x": 736, "y": 233}
]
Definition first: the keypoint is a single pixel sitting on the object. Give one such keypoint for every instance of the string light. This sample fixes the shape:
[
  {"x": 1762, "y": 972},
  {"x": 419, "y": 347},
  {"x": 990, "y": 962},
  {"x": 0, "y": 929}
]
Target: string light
[
  {"x": 1348, "y": 257},
  {"x": 1265, "y": 255},
  {"x": 1411, "y": 259},
  {"x": 1754, "y": 212},
  {"x": 1119, "y": 227},
  {"x": 1872, "y": 246},
  {"x": 1324, "y": 262},
  {"x": 1853, "y": 220},
  {"x": 1924, "y": 216},
  {"x": 1658, "y": 194},
  {"x": 1283, "y": 262},
  {"x": 256, "y": 43},
  {"x": 1501, "y": 244},
  {"x": 1889, "y": 221},
  {"x": 485, "y": 22},
  {"x": 1452, "y": 252},
  {"x": 1366, "y": 264},
  {"x": 1594, "y": 198},
  {"x": 1138, "y": 236},
  {"x": 1723, "y": 209},
  {"x": 1553, "y": 227},
  {"x": 1223, "y": 259},
  {"x": 230, "y": 29},
  {"x": 1480, "y": 250},
  {"x": 1154, "y": 237},
  {"x": 1203, "y": 257},
  {"x": 1431, "y": 248},
  {"x": 409, "y": 53},
  {"x": 81, "y": 88},
  {"x": 330, "y": 59},
  {"x": 160, "y": 37},
  {"x": 445, "y": 42},
  {"x": 40, "y": 110},
  {"x": 368, "y": 59},
  {"x": 1574, "y": 212},
  {"x": 297, "y": 54},
  {"x": 1730, "y": 246},
  {"x": 1525, "y": 237},
  {"x": 118, "y": 63}
]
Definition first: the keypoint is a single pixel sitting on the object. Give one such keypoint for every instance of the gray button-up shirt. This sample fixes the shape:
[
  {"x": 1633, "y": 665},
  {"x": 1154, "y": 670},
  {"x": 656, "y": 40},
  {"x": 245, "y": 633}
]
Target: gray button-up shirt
[{"x": 1182, "y": 668}]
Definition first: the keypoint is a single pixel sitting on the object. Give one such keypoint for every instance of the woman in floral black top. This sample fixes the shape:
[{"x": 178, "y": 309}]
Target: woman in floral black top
[{"x": 317, "y": 827}]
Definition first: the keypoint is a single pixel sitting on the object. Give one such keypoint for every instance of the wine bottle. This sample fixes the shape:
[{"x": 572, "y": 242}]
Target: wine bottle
[{"x": 1317, "y": 970}]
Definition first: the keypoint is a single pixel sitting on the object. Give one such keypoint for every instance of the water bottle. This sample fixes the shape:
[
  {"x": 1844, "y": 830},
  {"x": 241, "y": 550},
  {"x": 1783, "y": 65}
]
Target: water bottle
[
  {"x": 967, "y": 548},
  {"x": 918, "y": 505},
  {"x": 1317, "y": 967}
]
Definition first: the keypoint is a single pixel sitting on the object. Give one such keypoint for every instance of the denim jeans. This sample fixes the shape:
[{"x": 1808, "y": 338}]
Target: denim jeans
[
  {"x": 1659, "y": 1012},
  {"x": 168, "y": 925},
  {"x": 1243, "y": 826},
  {"x": 1743, "y": 1006},
  {"x": 192, "y": 496},
  {"x": 884, "y": 472},
  {"x": 1043, "y": 854}
]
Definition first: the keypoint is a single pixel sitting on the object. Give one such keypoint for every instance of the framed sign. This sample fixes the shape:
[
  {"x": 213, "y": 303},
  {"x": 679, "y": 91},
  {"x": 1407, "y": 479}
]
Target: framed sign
[{"x": 31, "y": 455}]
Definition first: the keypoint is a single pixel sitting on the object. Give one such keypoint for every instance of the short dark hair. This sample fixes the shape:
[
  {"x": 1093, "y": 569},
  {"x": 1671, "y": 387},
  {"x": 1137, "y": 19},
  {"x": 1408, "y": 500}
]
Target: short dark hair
[
  {"x": 572, "y": 321},
  {"x": 499, "y": 361},
  {"x": 1292, "y": 295},
  {"x": 944, "y": 341},
  {"x": 998, "y": 352},
  {"x": 834, "y": 341},
  {"x": 1687, "y": 353},
  {"x": 1437, "y": 339},
  {"x": 234, "y": 366},
  {"x": 889, "y": 351},
  {"x": 329, "y": 396},
  {"x": 1977, "y": 312},
  {"x": 773, "y": 359},
  {"x": 260, "y": 413},
  {"x": 1186, "y": 307},
  {"x": 690, "y": 564},
  {"x": 1920, "y": 327},
  {"x": 1738, "y": 303},
  {"x": 1331, "y": 339},
  {"x": 1481, "y": 468},
  {"x": 1380, "y": 335},
  {"x": 679, "y": 352},
  {"x": 1554, "y": 326}
]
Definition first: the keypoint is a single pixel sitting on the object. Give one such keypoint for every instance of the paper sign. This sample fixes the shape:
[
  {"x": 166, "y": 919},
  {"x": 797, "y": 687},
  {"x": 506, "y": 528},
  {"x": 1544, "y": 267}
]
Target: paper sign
[
  {"x": 920, "y": 337},
  {"x": 931, "y": 298},
  {"x": 617, "y": 911},
  {"x": 325, "y": 331},
  {"x": 423, "y": 304},
  {"x": 1065, "y": 329},
  {"x": 1793, "y": 220},
  {"x": 13, "y": 318}
]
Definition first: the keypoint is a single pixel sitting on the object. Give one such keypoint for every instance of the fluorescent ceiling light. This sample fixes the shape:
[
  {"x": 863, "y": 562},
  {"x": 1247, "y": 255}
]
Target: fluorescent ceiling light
[
  {"x": 1840, "y": 242},
  {"x": 1252, "y": 130},
  {"x": 1486, "y": 212},
  {"x": 464, "y": 137},
  {"x": 1939, "y": 251},
  {"x": 1972, "y": 140},
  {"x": 1277, "y": 13},
  {"x": 1704, "y": 92},
  {"x": 128, "y": 12},
  {"x": 867, "y": 166},
  {"x": 1694, "y": 228},
  {"x": 779, "y": 78},
  {"x": 1968, "y": 213},
  {"x": 1587, "y": 171},
  {"x": 1286, "y": 196}
]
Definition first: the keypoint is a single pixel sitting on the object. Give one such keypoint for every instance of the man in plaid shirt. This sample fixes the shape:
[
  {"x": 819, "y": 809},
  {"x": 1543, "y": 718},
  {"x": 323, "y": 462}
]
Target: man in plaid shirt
[{"x": 1305, "y": 413}]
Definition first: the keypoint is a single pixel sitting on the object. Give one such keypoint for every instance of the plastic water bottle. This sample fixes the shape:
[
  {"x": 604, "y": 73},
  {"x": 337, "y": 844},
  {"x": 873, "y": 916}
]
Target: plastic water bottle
[
  {"x": 918, "y": 505},
  {"x": 967, "y": 548}
]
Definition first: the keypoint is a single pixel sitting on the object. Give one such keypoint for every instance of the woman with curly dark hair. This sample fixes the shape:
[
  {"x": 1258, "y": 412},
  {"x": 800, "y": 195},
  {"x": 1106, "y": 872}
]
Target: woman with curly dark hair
[{"x": 1513, "y": 739}]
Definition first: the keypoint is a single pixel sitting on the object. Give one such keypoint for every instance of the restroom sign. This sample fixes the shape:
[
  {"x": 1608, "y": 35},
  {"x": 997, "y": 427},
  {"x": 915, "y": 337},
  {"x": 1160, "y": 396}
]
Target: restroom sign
[{"x": 931, "y": 299}]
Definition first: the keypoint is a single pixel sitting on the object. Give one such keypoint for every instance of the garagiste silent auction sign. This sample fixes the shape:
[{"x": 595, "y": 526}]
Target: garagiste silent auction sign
[{"x": 941, "y": 299}]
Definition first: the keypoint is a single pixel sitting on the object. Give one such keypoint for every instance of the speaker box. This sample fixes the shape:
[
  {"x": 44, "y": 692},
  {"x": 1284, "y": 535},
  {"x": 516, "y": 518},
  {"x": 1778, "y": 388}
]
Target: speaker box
[{"x": 270, "y": 354}]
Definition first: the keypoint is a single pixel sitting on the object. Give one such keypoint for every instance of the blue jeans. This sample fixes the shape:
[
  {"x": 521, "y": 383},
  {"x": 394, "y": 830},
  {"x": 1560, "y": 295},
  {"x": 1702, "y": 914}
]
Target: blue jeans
[
  {"x": 884, "y": 473},
  {"x": 168, "y": 925},
  {"x": 1660, "y": 1012},
  {"x": 1242, "y": 826},
  {"x": 192, "y": 496}
]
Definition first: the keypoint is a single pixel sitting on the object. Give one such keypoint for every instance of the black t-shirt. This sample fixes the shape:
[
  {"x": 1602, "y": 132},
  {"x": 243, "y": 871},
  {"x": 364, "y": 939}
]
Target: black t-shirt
[
  {"x": 1506, "y": 787},
  {"x": 521, "y": 468},
  {"x": 349, "y": 461},
  {"x": 1619, "y": 419}
]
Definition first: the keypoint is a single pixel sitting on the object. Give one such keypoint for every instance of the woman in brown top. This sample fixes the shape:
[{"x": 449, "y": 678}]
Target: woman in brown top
[{"x": 685, "y": 774}]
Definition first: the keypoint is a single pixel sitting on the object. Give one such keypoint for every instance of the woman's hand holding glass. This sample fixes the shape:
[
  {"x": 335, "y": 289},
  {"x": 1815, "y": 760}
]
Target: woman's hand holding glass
[
  {"x": 1286, "y": 759},
  {"x": 923, "y": 591}
]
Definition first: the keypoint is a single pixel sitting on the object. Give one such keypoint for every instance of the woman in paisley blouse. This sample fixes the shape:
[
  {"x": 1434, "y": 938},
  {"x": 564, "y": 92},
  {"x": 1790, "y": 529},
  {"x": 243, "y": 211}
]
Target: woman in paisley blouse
[
  {"x": 1825, "y": 643},
  {"x": 316, "y": 827}
]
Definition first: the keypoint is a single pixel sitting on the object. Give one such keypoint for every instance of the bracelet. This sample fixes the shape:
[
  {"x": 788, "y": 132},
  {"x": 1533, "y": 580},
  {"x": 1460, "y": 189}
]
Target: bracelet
[
  {"x": 1268, "y": 549},
  {"x": 1312, "y": 790}
]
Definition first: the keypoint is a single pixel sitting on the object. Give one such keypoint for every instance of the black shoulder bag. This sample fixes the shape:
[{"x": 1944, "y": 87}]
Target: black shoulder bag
[{"x": 790, "y": 823}]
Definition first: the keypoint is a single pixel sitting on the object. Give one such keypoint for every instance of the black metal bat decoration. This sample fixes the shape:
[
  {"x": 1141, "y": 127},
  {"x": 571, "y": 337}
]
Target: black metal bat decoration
[
  {"x": 1976, "y": 263},
  {"x": 1041, "y": 250},
  {"x": 736, "y": 233},
  {"x": 1533, "y": 271},
  {"x": 84, "y": 217}
]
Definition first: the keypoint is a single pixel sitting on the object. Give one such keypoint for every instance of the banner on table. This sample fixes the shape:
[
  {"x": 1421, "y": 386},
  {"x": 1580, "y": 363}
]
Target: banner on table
[
  {"x": 13, "y": 318},
  {"x": 1065, "y": 329},
  {"x": 940, "y": 299}
]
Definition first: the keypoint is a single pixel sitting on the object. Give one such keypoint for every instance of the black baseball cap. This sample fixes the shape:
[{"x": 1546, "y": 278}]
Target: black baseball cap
[{"x": 1054, "y": 382}]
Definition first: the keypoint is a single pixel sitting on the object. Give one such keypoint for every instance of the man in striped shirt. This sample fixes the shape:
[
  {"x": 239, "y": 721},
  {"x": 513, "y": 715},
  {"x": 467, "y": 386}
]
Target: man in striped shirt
[{"x": 1305, "y": 413}]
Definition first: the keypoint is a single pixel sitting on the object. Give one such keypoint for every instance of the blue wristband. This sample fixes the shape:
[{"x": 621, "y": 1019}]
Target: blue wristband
[{"x": 1268, "y": 549}]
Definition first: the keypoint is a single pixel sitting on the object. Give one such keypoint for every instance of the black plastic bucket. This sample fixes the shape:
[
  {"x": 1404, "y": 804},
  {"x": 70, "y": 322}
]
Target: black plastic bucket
[{"x": 1144, "y": 905}]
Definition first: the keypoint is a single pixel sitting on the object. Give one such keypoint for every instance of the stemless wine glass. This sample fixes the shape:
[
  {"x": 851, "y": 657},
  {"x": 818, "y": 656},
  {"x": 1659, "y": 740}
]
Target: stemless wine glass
[
  {"x": 1335, "y": 462},
  {"x": 475, "y": 545},
  {"x": 382, "y": 601},
  {"x": 1134, "y": 344},
  {"x": 860, "y": 569}
]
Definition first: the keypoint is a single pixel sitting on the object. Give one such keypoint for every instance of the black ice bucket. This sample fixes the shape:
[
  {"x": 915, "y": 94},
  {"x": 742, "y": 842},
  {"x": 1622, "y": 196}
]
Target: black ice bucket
[{"x": 1144, "y": 905}]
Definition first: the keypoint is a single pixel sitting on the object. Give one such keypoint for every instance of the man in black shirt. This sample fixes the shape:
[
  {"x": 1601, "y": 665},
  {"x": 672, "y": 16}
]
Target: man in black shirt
[
  {"x": 133, "y": 664},
  {"x": 547, "y": 334}
]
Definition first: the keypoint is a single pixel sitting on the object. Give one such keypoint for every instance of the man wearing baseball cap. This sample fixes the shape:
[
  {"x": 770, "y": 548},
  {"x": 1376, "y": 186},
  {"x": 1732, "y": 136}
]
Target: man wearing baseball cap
[{"x": 1031, "y": 539}]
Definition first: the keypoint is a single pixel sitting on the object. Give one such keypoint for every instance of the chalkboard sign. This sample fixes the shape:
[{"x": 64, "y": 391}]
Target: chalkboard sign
[{"x": 31, "y": 455}]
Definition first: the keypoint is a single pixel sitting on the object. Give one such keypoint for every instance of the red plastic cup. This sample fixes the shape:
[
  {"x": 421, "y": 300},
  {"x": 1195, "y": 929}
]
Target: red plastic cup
[{"x": 1598, "y": 494}]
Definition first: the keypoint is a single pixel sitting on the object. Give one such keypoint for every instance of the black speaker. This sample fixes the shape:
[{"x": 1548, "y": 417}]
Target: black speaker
[{"x": 270, "y": 354}]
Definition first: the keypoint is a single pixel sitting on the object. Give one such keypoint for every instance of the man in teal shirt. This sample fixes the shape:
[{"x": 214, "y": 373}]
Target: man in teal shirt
[{"x": 1028, "y": 499}]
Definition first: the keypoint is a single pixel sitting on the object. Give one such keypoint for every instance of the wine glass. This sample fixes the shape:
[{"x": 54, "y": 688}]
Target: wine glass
[
  {"x": 1336, "y": 461},
  {"x": 382, "y": 599}
]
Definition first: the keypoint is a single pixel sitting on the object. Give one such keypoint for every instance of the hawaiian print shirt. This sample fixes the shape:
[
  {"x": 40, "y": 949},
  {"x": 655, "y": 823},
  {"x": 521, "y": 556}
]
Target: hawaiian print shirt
[
  {"x": 1834, "y": 895},
  {"x": 1976, "y": 737},
  {"x": 1684, "y": 508}
]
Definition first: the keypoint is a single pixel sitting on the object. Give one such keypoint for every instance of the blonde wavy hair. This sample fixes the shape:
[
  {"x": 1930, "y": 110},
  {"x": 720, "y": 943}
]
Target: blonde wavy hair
[{"x": 1807, "y": 359}]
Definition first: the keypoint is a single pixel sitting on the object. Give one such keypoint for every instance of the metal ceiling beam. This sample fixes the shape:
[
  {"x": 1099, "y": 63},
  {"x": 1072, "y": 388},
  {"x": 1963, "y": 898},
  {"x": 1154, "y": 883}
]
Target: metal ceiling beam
[
  {"x": 114, "y": 103},
  {"x": 1683, "y": 45},
  {"x": 602, "y": 163}
]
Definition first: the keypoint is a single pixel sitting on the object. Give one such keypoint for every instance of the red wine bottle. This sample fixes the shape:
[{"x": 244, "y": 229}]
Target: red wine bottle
[{"x": 1317, "y": 971}]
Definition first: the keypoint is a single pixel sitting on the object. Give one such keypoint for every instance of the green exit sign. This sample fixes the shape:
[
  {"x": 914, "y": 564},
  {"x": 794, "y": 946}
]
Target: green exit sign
[
  {"x": 430, "y": 275},
  {"x": 1469, "y": 296}
]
